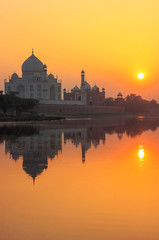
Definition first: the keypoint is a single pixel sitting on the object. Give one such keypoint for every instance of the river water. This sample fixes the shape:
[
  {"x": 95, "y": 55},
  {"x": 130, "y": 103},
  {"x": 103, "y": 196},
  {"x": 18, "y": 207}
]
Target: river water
[{"x": 80, "y": 180}]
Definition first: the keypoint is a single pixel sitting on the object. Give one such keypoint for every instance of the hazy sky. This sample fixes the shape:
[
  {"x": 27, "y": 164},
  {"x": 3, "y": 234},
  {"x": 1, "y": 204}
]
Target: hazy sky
[{"x": 112, "y": 40}]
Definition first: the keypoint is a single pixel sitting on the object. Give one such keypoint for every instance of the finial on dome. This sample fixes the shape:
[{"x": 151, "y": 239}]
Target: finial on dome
[{"x": 32, "y": 51}]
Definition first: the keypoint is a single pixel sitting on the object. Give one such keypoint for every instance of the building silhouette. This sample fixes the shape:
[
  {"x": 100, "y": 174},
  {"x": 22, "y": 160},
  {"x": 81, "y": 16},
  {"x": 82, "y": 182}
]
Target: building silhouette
[
  {"x": 85, "y": 94},
  {"x": 35, "y": 83}
]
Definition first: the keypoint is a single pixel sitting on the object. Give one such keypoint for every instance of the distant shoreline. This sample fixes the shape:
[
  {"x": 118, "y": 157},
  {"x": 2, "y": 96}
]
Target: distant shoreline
[{"x": 77, "y": 121}]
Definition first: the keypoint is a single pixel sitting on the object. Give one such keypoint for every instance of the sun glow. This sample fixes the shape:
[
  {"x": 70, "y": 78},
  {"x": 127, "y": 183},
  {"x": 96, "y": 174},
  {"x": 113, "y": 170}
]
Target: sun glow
[{"x": 140, "y": 76}]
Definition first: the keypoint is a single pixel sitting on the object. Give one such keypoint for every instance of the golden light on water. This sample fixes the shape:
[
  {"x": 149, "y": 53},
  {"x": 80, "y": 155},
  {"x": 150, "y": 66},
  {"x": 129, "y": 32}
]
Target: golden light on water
[{"x": 141, "y": 154}]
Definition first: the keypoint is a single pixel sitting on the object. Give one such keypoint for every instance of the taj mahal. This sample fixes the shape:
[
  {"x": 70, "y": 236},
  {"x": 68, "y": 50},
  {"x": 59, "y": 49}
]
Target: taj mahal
[{"x": 37, "y": 84}]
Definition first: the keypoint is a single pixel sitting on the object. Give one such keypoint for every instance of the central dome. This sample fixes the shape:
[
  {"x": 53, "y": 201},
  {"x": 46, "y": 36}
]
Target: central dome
[{"x": 32, "y": 64}]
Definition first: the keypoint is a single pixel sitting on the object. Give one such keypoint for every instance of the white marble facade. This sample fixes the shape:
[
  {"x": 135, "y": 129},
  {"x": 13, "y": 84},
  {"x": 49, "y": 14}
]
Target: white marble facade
[{"x": 35, "y": 82}]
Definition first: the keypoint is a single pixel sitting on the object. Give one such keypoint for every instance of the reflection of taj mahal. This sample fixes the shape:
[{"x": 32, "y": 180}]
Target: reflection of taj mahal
[
  {"x": 35, "y": 150},
  {"x": 38, "y": 148},
  {"x": 36, "y": 145},
  {"x": 37, "y": 84}
]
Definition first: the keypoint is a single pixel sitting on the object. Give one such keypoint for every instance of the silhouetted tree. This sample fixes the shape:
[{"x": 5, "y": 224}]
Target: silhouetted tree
[
  {"x": 12, "y": 102},
  {"x": 133, "y": 103}
]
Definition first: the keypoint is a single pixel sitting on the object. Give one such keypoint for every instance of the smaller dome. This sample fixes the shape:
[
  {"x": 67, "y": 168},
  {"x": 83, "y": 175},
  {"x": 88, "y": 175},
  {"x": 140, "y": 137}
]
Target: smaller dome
[
  {"x": 75, "y": 89},
  {"x": 103, "y": 89},
  {"x": 15, "y": 156},
  {"x": 82, "y": 71},
  {"x": 14, "y": 76},
  {"x": 119, "y": 94},
  {"x": 95, "y": 143},
  {"x": 64, "y": 89},
  {"x": 95, "y": 88},
  {"x": 51, "y": 76}
]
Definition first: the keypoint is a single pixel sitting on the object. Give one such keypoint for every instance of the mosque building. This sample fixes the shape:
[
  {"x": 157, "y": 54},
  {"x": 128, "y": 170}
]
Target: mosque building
[
  {"x": 86, "y": 94},
  {"x": 37, "y": 84}
]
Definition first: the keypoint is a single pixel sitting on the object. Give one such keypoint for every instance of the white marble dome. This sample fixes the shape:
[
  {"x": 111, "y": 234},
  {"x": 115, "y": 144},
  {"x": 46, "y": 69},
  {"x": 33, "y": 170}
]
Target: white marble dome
[
  {"x": 32, "y": 64},
  {"x": 36, "y": 74}
]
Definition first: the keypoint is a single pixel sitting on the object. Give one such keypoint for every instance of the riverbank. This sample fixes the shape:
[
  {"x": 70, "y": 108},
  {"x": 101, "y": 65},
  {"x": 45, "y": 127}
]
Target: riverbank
[
  {"x": 34, "y": 117},
  {"x": 29, "y": 117},
  {"x": 87, "y": 122}
]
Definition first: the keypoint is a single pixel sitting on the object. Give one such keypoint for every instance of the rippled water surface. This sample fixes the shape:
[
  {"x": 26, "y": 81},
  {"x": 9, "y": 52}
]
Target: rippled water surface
[{"x": 80, "y": 180}]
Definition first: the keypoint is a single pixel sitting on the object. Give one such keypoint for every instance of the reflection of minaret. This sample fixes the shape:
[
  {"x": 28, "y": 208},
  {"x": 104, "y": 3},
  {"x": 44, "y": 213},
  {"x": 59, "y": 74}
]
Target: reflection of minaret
[{"x": 83, "y": 153}]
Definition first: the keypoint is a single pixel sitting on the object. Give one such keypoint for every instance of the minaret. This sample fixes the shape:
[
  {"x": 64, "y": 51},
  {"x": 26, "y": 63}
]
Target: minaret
[
  {"x": 82, "y": 78},
  {"x": 83, "y": 92}
]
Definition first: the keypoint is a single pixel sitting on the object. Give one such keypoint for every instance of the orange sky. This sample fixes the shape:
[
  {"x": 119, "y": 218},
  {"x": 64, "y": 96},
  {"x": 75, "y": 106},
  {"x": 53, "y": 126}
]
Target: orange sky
[{"x": 112, "y": 40}]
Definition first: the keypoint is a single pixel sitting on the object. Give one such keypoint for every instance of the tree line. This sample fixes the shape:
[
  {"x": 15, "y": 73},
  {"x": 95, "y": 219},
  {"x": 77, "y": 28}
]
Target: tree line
[
  {"x": 13, "y": 103},
  {"x": 133, "y": 103}
]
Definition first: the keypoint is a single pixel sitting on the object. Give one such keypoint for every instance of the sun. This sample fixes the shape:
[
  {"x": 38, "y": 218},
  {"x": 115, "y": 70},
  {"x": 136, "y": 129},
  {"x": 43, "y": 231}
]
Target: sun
[{"x": 140, "y": 76}]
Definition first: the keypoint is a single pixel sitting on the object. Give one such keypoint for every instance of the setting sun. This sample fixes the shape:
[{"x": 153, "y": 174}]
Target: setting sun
[{"x": 140, "y": 75}]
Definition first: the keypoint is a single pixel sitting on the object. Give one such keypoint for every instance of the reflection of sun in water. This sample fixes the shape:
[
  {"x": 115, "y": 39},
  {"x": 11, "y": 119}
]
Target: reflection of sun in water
[{"x": 141, "y": 155}]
